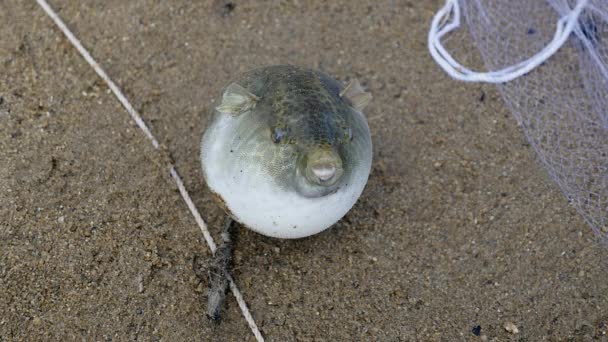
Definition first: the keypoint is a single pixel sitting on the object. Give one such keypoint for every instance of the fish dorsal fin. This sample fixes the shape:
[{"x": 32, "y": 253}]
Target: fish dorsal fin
[
  {"x": 236, "y": 100},
  {"x": 356, "y": 95}
]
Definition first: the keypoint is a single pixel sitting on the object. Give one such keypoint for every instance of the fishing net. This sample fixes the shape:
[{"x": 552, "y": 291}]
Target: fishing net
[{"x": 550, "y": 61}]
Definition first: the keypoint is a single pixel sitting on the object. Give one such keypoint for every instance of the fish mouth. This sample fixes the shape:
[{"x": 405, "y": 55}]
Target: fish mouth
[
  {"x": 323, "y": 166},
  {"x": 319, "y": 173},
  {"x": 324, "y": 172}
]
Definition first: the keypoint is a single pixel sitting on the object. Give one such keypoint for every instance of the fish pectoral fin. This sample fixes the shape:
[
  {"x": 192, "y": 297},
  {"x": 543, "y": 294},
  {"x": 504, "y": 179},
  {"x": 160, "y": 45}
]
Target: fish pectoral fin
[
  {"x": 358, "y": 97},
  {"x": 236, "y": 100}
]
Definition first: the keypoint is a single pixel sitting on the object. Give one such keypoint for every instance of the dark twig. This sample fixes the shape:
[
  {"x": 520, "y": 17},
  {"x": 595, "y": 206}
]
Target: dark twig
[{"x": 219, "y": 271}]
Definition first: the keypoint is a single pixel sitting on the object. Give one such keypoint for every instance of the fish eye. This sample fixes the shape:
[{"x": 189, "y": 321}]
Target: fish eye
[{"x": 277, "y": 135}]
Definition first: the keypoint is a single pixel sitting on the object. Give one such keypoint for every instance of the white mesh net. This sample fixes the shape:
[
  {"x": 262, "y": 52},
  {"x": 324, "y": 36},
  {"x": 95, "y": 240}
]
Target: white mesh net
[{"x": 554, "y": 55}]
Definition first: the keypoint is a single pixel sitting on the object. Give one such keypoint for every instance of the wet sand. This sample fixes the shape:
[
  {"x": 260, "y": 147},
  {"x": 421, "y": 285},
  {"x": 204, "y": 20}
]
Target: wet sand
[{"x": 458, "y": 233}]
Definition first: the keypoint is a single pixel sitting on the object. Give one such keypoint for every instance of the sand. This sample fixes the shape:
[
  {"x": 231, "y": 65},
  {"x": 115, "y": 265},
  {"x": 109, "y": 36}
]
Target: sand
[{"x": 458, "y": 234}]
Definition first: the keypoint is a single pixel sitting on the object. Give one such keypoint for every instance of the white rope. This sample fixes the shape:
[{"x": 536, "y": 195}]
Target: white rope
[
  {"x": 140, "y": 122},
  {"x": 442, "y": 25}
]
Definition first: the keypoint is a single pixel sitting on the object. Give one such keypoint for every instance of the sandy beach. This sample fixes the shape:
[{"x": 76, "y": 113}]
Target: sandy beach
[{"x": 458, "y": 234}]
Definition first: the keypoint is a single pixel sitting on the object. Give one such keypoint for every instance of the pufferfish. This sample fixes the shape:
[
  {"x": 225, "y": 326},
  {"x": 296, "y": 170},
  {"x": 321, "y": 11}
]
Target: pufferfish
[{"x": 288, "y": 151}]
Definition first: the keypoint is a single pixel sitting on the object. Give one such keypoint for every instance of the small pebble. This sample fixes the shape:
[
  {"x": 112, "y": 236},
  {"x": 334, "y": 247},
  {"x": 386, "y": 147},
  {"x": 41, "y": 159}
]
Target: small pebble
[
  {"x": 512, "y": 328},
  {"x": 476, "y": 330},
  {"x": 140, "y": 284},
  {"x": 61, "y": 219}
]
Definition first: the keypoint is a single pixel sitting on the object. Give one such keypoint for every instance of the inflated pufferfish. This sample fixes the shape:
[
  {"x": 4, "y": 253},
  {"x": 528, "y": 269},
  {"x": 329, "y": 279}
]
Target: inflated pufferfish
[{"x": 288, "y": 151}]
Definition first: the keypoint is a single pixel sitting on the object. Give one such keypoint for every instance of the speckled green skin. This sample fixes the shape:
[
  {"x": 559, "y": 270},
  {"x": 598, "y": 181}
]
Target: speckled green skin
[
  {"x": 303, "y": 103},
  {"x": 304, "y": 108}
]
